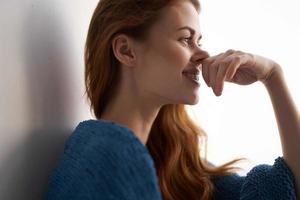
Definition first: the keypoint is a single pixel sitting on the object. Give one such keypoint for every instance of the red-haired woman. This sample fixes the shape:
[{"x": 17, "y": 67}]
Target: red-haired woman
[{"x": 142, "y": 65}]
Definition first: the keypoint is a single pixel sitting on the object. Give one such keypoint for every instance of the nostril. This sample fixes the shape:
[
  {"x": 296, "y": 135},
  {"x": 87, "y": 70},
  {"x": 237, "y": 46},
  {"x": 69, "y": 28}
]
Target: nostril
[{"x": 200, "y": 67}]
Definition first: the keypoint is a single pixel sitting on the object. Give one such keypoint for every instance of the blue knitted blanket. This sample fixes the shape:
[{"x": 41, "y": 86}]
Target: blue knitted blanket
[{"x": 106, "y": 161}]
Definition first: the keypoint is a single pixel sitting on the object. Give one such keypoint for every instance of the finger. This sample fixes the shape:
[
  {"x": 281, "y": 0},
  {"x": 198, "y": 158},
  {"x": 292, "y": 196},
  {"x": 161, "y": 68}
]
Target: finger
[
  {"x": 230, "y": 69},
  {"x": 208, "y": 70},
  {"x": 205, "y": 70},
  {"x": 206, "y": 65},
  {"x": 220, "y": 78},
  {"x": 231, "y": 51},
  {"x": 213, "y": 69},
  {"x": 233, "y": 68}
]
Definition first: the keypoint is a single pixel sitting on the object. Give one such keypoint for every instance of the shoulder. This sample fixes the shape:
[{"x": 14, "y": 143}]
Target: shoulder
[
  {"x": 103, "y": 158},
  {"x": 104, "y": 145},
  {"x": 95, "y": 136},
  {"x": 101, "y": 129}
]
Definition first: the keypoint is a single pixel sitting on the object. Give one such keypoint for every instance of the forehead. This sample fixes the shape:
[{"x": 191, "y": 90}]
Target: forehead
[{"x": 178, "y": 15}]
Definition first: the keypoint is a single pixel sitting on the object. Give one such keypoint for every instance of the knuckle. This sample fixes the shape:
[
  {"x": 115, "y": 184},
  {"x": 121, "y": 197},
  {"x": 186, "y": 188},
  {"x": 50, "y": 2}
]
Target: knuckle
[
  {"x": 223, "y": 63},
  {"x": 213, "y": 64},
  {"x": 239, "y": 52},
  {"x": 237, "y": 59},
  {"x": 250, "y": 55},
  {"x": 230, "y": 51}
]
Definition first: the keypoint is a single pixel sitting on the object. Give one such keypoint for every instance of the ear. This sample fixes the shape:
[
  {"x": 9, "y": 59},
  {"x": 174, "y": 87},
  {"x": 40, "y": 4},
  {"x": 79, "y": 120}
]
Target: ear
[{"x": 124, "y": 50}]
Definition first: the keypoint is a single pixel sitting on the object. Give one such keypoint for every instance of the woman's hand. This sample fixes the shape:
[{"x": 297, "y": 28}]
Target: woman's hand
[{"x": 237, "y": 67}]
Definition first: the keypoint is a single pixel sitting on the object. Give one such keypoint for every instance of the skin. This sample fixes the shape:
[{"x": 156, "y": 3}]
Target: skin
[
  {"x": 151, "y": 71},
  {"x": 152, "y": 77}
]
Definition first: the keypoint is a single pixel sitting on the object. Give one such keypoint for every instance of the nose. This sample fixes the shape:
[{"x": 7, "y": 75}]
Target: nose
[{"x": 199, "y": 55}]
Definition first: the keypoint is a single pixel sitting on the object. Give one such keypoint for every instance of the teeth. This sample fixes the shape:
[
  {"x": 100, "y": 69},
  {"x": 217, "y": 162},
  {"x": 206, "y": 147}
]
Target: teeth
[
  {"x": 192, "y": 76},
  {"x": 186, "y": 72}
]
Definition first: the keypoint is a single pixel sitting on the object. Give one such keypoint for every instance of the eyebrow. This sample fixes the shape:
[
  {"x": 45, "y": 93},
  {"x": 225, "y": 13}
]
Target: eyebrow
[{"x": 192, "y": 31}]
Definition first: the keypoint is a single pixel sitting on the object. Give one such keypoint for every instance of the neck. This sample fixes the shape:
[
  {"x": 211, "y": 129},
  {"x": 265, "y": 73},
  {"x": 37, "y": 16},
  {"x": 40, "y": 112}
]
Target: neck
[{"x": 138, "y": 114}]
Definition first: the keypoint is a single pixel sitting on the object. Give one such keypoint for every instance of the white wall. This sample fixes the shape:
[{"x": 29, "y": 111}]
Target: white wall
[{"x": 41, "y": 83}]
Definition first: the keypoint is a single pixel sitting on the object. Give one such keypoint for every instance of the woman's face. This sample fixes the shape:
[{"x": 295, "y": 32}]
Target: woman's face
[{"x": 167, "y": 52}]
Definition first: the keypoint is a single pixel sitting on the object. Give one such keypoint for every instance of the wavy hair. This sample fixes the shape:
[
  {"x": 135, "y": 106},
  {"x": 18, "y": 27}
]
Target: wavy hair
[{"x": 175, "y": 139}]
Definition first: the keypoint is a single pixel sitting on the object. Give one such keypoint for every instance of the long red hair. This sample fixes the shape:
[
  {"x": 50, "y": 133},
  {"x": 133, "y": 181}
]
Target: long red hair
[{"x": 175, "y": 138}]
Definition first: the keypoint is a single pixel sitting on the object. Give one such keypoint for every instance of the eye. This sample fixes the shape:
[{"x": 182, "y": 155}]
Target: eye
[{"x": 189, "y": 41}]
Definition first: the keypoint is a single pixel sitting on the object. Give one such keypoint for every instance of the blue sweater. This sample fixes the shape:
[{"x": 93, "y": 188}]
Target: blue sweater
[{"x": 104, "y": 160}]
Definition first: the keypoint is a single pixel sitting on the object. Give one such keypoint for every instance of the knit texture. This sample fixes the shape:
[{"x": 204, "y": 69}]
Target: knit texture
[
  {"x": 263, "y": 182},
  {"x": 105, "y": 160}
]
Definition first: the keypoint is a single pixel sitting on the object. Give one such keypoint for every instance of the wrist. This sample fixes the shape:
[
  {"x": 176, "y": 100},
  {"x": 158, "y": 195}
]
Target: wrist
[{"x": 275, "y": 74}]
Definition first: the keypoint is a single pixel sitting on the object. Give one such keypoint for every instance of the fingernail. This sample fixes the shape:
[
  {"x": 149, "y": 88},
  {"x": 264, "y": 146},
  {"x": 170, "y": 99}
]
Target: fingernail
[{"x": 218, "y": 91}]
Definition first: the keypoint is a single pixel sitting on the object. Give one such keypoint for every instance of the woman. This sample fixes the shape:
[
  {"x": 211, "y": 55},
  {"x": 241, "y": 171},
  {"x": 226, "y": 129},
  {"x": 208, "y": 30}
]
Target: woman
[{"x": 142, "y": 65}]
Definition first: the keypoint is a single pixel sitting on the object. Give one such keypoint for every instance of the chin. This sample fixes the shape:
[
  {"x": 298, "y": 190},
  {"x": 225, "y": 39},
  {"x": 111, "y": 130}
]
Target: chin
[{"x": 192, "y": 101}]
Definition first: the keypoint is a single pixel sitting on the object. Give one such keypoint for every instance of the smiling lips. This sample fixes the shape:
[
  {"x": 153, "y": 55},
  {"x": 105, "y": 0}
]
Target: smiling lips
[
  {"x": 194, "y": 77},
  {"x": 192, "y": 73}
]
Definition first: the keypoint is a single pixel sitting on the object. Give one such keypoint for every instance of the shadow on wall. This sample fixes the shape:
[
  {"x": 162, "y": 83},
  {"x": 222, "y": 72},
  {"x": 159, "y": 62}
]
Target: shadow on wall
[{"x": 46, "y": 49}]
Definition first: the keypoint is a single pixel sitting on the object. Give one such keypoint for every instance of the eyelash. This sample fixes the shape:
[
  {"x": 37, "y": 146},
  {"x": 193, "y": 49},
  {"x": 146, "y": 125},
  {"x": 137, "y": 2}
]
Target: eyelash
[{"x": 189, "y": 39}]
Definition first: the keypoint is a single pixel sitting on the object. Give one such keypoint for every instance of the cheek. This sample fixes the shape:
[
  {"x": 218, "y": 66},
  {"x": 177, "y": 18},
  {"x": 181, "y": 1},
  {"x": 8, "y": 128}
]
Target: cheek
[
  {"x": 169, "y": 57},
  {"x": 162, "y": 69}
]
